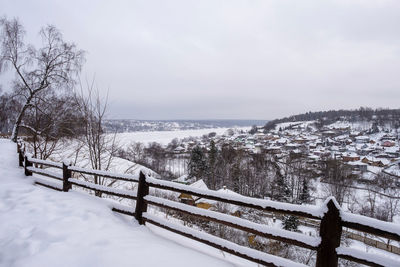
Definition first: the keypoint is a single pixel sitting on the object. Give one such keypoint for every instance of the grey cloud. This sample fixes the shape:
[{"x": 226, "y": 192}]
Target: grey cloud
[{"x": 230, "y": 59}]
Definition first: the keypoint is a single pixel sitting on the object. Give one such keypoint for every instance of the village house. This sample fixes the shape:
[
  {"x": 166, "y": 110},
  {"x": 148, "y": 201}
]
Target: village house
[
  {"x": 388, "y": 143},
  {"x": 375, "y": 162},
  {"x": 357, "y": 166},
  {"x": 258, "y": 148},
  {"x": 180, "y": 149},
  {"x": 189, "y": 199},
  {"x": 274, "y": 149},
  {"x": 362, "y": 139},
  {"x": 222, "y": 207},
  {"x": 347, "y": 157}
]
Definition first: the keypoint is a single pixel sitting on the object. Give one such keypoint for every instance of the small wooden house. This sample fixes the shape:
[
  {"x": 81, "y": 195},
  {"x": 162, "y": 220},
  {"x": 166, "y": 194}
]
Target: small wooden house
[
  {"x": 189, "y": 199},
  {"x": 215, "y": 205},
  {"x": 388, "y": 143},
  {"x": 350, "y": 157}
]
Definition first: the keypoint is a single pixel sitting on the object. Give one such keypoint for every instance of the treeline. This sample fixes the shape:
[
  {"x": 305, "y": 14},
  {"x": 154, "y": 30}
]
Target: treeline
[
  {"x": 249, "y": 174},
  {"x": 381, "y": 116},
  {"x": 126, "y": 125}
]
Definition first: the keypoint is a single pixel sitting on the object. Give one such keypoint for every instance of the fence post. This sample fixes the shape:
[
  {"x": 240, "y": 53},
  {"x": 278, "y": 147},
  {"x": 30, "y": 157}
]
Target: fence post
[
  {"x": 27, "y": 164},
  {"x": 330, "y": 232},
  {"x": 20, "y": 145},
  {"x": 20, "y": 158},
  {"x": 66, "y": 176},
  {"x": 141, "y": 205}
]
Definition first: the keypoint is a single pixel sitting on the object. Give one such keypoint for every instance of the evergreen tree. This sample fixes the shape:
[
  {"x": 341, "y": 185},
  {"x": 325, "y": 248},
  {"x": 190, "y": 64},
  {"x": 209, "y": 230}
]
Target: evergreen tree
[
  {"x": 253, "y": 129},
  {"x": 211, "y": 168},
  {"x": 304, "y": 196},
  {"x": 281, "y": 189},
  {"x": 197, "y": 164},
  {"x": 374, "y": 128},
  {"x": 290, "y": 223},
  {"x": 282, "y": 193},
  {"x": 235, "y": 176}
]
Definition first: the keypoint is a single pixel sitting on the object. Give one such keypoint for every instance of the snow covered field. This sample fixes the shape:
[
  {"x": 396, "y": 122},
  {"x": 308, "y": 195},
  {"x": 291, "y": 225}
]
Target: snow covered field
[
  {"x": 164, "y": 137},
  {"x": 40, "y": 227}
]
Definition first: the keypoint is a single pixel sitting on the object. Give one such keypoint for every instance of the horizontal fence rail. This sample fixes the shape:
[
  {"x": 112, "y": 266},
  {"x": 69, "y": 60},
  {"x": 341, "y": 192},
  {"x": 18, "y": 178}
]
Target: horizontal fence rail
[
  {"x": 222, "y": 244},
  {"x": 45, "y": 173},
  {"x": 306, "y": 211},
  {"x": 365, "y": 257},
  {"x": 104, "y": 189},
  {"x": 107, "y": 174},
  {"x": 48, "y": 184},
  {"x": 331, "y": 217},
  {"x": 238, "y": 223},
  {"x": 46, "y": 162},
  {"x": 123, "y": 209},
  {"x": 364, "y": 224}
]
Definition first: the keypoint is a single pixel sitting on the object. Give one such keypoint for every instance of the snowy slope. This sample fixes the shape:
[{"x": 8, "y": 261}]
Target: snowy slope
[{"x": 40, "y": 227}]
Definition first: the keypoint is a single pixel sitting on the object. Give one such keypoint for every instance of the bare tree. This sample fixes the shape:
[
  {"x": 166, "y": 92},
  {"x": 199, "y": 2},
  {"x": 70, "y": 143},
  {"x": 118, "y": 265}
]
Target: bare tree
[
  {"x": 8, "y": 107},
  {"x": 338, "y": 178},
  {"x": 50, "y": 119},
  {"x": 101, "y": 147},
  {"x": 369, "y": 206},
  {"x": 54, "y": 66},
  {"x": 136, "y": 152},
  {"x": 389, "y": 185}
]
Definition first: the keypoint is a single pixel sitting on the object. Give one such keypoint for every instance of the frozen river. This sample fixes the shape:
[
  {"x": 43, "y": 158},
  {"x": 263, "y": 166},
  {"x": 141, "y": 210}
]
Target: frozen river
[{"x": 164, "y": 137}]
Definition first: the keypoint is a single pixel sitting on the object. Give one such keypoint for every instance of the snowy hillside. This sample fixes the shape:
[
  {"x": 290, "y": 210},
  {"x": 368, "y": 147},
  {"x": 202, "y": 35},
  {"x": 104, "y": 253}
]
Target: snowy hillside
[{"x": 41, "y": 227}]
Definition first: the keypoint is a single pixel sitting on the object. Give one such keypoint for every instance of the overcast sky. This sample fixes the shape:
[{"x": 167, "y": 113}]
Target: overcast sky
[{"x": 229, "y": 59}]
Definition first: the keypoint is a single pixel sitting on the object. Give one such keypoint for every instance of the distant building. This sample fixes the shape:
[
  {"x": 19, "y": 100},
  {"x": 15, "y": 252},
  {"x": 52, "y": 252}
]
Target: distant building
[
  {"x": 350, "y": 157},
  {"x": 362, "y": 139},
  {"x": 388, "y": 143}
]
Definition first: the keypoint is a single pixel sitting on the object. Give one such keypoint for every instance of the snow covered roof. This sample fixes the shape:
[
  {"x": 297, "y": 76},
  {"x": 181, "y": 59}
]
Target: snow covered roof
[
  {"x": 181, "y": 179},
  {"x": 179, "y": 149},
  {"x": 351, "y": 154},
  {"x": 224, "y": 190},
  {"x": 199, "y": 184},
  {"x": 356, "y": 163},
  {"x": 392, "y": 149},
  {"x": 227, "y": 191},
  {"x": 362, "y": 138}
]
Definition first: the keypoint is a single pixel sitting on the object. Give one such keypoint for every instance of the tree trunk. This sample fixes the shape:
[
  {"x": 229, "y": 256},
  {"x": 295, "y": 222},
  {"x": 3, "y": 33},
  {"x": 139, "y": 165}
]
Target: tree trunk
[{"x": 15, "y": 131}]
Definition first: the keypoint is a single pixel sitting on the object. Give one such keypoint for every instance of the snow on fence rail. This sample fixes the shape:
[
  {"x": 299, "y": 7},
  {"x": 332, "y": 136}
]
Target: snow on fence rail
[
  {"x": 45, "y": 172},
  {"x": 222, "y": 244},
  {"x": 364, "y": 224},
  {"x": 327, "y": 245},
  {"x": 46, "y": 162},
  {"x": 365, "y": 257},
  {"x": 307, "y": 211},
  {"x": 236, "y": 222},
  {"x": 107, "y": 174},
  {"x": 48, "y": 184},
  {"x": 104, "y": 189}
]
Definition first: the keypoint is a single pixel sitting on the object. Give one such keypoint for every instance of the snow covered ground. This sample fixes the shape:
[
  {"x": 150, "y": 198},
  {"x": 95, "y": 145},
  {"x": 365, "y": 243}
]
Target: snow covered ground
[{"x": 41, "y": 227}]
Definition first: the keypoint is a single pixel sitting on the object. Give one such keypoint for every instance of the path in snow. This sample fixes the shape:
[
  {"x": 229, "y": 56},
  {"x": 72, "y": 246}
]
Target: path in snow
[{"x": 40, "y": 227}]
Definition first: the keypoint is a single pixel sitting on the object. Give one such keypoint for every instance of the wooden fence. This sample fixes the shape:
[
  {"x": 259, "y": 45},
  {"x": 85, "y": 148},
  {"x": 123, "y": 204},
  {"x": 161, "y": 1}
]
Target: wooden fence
[
  {"x": 327, "y": 245},
  {"x": 348, "y": 234}
]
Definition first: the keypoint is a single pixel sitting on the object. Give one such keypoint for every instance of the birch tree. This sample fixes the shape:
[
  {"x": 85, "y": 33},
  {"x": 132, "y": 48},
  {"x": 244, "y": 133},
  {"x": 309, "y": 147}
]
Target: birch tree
[{"x": 52, "y": 67}]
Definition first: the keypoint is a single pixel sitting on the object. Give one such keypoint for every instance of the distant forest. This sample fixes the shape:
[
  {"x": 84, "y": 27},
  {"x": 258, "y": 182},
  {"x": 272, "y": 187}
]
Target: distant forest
[
  {"x": 126, "y": 125},
  {"x": 381, "y": 116}
]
